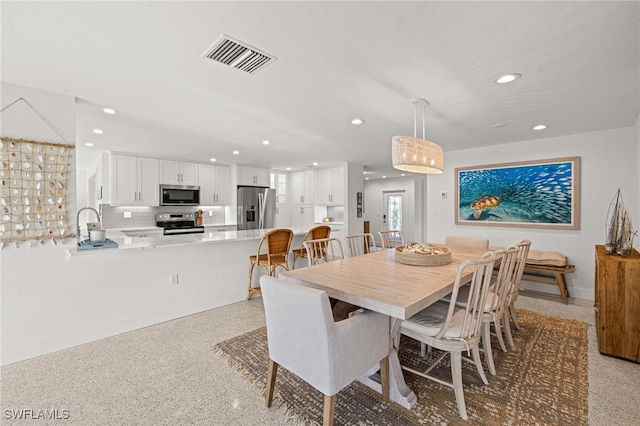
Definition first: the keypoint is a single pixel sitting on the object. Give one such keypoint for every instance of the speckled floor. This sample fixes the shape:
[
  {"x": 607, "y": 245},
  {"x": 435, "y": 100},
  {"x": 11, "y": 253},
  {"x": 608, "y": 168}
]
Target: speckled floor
[{"x": 168, "y": 375}]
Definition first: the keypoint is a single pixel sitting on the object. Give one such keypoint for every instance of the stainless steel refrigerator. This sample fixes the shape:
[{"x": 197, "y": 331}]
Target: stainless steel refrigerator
[{"x": 256, "y": 207}]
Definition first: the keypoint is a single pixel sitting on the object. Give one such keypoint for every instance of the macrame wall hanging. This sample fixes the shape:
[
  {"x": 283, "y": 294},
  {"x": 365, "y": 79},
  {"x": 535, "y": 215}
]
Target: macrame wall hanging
[{"x": 34, "y": 184}]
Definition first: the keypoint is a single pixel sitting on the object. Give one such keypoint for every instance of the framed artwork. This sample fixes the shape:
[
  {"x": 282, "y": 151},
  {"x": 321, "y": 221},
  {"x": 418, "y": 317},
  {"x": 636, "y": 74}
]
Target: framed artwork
[{"x": 532, "y": 194}]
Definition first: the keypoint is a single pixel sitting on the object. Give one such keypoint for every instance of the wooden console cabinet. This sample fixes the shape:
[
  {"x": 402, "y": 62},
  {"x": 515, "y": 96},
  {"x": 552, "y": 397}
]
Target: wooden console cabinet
[{"x": 617, "y": 304}]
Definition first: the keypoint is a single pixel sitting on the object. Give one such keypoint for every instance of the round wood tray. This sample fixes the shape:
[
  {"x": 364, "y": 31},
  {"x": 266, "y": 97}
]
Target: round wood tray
[{"x": 418, "y": 254}]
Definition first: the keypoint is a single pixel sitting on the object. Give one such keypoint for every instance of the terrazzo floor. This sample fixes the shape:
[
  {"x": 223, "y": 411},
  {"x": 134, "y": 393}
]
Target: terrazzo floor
[{"x": 167, "y": 375}]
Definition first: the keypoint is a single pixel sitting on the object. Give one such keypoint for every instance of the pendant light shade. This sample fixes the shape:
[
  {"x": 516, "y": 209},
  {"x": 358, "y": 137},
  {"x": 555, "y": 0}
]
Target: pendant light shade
[{"x": 412, "y": 154}]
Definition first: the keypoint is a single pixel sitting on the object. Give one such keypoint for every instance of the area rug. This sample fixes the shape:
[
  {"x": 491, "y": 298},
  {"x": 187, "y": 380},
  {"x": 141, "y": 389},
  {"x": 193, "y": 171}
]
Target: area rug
[{"x": 542, "y": 381}]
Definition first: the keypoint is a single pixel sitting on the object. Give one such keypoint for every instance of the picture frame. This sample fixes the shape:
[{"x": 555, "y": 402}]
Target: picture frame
[{"x": 530, "y": 194}]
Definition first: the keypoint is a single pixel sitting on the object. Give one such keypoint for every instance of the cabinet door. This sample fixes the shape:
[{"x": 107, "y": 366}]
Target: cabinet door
[
  {"x": 223, "y": 185},
  {"x": 124, "y": 190},
  {"x": 303, "y": 188},
  {"x": 170, "y": 172},
  {"x": 279, "y": 183},
  {"x": 281, "y": 218},
  {"x": 331, "y": 186},
  {"x": 148, "y": 186},
  {"x": 337, "y": 196},
  {"x": 206, "y": 180},
  {"x": 252, "y": 176},
  {"x": 325, "y": 186},
  {"x": 188, "y": 173},
  {"x": 302, "y": 217}
]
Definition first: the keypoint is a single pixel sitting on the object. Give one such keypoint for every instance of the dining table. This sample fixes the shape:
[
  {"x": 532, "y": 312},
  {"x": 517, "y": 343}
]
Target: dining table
[{"x": 376, "y": 281}]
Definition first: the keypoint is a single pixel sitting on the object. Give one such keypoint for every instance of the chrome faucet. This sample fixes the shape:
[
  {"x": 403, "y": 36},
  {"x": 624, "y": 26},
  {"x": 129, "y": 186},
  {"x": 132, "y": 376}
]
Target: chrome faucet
[{"x": 78, "y": 218}]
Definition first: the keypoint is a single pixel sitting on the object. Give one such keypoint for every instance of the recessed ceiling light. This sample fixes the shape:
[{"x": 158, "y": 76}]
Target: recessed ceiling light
[
  {"x": 288, "y": 168},
  {"x": 236, "y": 152},
  {"x": 98, "y": 131},
  {"x": 539, "y": 127},
  {"x": 366, "y": 178},
  {"x": 508, "y": 78},
  {"x": 357, "y": 121},
  {"x": 212, "y": 159},
  {"x": 265, "y": 142},
  {"x": 89, "y": 144},
  {"x": 384, "y": 177},
  {"x": 315, "y": 164},
  {"x": 402, "y": 174},
  {"x": 109, "y": 111},
  {"x": 495, "y": 126}
]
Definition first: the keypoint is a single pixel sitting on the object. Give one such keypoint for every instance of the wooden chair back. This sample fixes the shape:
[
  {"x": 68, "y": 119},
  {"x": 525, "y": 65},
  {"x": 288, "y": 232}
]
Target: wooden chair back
[
  {"x": 360, "y": 244},
  {"x": 323, "y": 250},
  {"x": 391, "y": 238}
]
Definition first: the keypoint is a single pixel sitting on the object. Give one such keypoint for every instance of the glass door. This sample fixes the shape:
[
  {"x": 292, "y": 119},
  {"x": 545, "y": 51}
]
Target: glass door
[{"x": 393, "y": 210}]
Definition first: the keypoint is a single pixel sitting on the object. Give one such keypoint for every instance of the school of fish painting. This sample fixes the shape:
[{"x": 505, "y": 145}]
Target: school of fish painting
[{"x": 538, "y": 194}]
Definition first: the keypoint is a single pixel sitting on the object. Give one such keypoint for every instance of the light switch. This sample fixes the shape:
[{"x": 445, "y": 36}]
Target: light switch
[
  {"x": 127, "y": 215},
  {"x": 443, "y": 194}
]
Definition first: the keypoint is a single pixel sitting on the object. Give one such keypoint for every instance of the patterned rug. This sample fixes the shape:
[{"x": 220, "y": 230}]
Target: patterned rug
[{"x": 542, "y": 381}]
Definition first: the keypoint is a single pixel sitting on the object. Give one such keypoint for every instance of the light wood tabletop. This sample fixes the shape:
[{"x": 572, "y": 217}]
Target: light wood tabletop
[{"x": 376, "y": 281}]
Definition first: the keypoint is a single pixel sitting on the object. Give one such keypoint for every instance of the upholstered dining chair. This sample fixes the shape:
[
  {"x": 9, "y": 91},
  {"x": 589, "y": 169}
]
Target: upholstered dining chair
[
  {"x": 454, "y": 240},
  {"x": 273, "y": 251},
  {"x": 454, "y": 329},
  {"x": 521, "y": 260},
  {"x": 303, "y": 338},
  {"x": 315, "y": 233},
  {"x": 360, "y": 244},
  {"x": 391, "y": 239},
  {"x": 496, "y": 304}
]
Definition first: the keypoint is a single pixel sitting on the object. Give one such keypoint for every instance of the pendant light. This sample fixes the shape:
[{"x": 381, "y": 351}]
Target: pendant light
[{"x": 412, "y": 154}]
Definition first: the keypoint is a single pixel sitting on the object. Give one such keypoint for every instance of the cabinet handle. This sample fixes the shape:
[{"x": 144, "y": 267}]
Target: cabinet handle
[
  {"x": 302, "y": 198},
  {"x": 301, "y": 210}
]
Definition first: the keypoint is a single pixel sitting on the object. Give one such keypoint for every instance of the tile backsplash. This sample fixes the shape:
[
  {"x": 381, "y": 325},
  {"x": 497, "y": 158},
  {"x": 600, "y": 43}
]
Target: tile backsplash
[{"x": 143, "y": 217}]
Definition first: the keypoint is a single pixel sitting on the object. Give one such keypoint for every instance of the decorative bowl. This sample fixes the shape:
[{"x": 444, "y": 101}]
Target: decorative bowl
[{"x": 422, "y": 254}]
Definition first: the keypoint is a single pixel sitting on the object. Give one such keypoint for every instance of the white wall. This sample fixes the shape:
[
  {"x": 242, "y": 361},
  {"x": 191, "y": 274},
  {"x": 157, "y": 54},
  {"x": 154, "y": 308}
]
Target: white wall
[
  {"x": 373, "y": 204},
  {"x": 609, "y": 160}
]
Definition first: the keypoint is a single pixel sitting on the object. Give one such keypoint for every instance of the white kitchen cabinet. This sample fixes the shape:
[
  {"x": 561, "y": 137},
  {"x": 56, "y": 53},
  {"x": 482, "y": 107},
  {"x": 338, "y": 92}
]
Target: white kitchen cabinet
[
  {"x": 331, "y": 186},
  {"x": 303, "y": 188},
  {"x": 134, "y": 181},
  {"x": 279, "y": 183},
  {"x": 215, "y": 185},
  {"x": 301, "y": 217},
  {"x": 178, "y": 172},
  {"x": 336, "y": 232},
  {"x": 253, "y": 176},
  {"x": 281, "y": 217}
]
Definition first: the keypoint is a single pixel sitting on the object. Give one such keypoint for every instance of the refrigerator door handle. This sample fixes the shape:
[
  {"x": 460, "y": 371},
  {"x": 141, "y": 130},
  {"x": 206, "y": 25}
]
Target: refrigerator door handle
[{"x": 261, "y": 205}]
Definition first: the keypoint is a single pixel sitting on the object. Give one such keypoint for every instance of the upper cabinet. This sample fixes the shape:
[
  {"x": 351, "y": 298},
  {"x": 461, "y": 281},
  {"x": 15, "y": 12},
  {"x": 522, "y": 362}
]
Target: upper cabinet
[
  {"x": 178, "y": 172},
  {"x": 303, "y": 188},
  {"x": 253, "y": 176},
  {"x": 279, "y": 183},
  {"x": 134, "y": 181},
  {"x": 331, "y": 186},
  {"x": 215, "y": 185}
]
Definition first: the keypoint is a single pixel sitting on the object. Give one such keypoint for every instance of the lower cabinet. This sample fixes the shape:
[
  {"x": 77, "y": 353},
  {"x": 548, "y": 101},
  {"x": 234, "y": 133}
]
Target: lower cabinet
[
  {"x": 617, "y": 304},
  {"x": 302, "y": 217}
]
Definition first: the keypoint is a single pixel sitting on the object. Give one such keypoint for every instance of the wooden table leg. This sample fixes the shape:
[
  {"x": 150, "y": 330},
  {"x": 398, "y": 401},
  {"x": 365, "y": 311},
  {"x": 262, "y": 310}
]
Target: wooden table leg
[
  {"x": 562, "y": 285},
  {"x": 398, "y": 389}
]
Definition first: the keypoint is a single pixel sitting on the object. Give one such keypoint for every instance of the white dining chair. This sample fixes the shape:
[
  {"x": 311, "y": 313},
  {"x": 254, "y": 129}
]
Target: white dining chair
[
  {"x": 360, "y": 244},
  {"x": 323, "y": 250},
  {"x": 454, "y": 329},
  {"x": 496, "y": 304},
  {"x": 303, "y": 338},
  {"x": 391, "y": 238},
  {"x": 521, "y": 260}
]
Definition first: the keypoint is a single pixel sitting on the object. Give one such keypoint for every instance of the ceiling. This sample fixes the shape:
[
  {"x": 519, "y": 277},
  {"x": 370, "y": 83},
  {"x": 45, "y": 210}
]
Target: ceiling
[{"x": 579, "y": 63}]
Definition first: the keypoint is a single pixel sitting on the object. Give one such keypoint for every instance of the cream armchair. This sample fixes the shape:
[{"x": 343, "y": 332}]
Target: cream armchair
[{"x": 304, "y": 339}]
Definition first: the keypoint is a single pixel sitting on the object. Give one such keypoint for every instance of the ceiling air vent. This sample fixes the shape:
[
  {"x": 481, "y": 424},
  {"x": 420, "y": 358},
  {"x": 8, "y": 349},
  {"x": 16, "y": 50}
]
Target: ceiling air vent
[{"x": 237, "y": 54}]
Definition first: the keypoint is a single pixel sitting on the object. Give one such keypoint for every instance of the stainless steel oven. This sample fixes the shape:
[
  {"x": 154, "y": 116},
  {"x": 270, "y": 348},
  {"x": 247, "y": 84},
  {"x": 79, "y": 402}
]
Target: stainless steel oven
[
  {"x": 178, "y": 223},
  {"x": 179, "y": 195}
]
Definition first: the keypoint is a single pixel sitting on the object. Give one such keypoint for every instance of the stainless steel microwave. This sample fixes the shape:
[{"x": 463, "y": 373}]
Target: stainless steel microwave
[{"x": 179, "y": 195}]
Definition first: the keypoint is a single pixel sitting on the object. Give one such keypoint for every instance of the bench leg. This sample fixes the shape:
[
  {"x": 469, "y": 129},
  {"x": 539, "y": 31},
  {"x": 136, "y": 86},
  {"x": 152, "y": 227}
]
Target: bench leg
[{"x": 562, "y": 285}]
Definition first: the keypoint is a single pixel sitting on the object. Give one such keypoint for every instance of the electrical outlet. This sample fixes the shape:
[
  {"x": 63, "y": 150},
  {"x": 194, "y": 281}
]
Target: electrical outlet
[
  {"x": 174, "y": 279},
  {"x": 210, "y": 213},
  {"x": 127, "y": 215},
  {"x": 443, "y": 194}
]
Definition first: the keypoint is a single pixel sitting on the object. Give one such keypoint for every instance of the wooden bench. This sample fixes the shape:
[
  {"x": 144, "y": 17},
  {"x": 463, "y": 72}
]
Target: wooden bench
[{"x": 553, "y": 275}]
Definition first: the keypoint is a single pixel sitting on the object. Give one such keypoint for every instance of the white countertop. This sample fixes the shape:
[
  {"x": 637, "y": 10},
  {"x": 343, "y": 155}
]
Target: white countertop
[{"x": 155, "y": 240}]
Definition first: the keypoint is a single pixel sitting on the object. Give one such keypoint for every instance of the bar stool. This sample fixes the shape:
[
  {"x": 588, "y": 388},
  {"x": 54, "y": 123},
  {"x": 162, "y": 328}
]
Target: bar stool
[
  {"x": 275, "y": 253},
  {"x": 316, "y": 233}
]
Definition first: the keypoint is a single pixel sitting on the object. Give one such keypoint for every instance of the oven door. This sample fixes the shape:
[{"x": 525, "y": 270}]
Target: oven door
[{"x": 179, "y": 195}]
